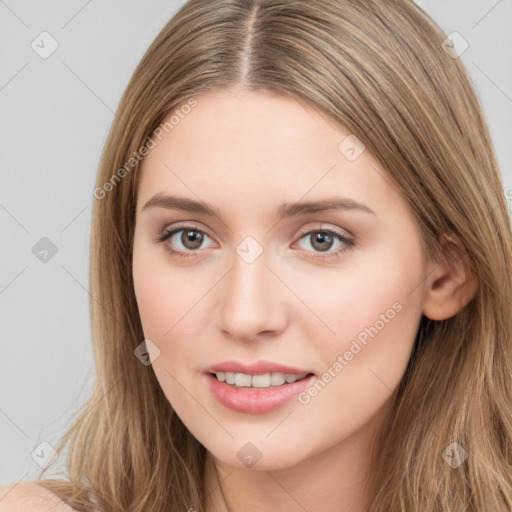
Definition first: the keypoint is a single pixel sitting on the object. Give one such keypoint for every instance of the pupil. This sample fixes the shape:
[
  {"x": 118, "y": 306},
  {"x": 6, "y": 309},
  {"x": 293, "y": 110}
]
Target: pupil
[
  {"x": 191, "y": 237},
  {"x": 322, "y": 238}
]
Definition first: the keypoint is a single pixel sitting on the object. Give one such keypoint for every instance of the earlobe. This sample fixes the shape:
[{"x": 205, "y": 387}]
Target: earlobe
[{"x": 450, "y": 284}]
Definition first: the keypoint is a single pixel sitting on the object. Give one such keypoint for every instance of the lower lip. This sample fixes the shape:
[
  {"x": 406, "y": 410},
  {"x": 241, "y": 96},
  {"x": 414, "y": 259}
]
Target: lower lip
[{"x": 256, "y": 400}]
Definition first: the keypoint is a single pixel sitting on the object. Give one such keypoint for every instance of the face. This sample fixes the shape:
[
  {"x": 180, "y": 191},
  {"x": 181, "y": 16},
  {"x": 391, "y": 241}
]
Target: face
[{"x": 269, "y": 285}]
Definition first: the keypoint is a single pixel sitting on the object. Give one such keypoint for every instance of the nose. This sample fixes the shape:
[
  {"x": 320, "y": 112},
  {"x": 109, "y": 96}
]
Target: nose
[{"x": 251, "y": 301}]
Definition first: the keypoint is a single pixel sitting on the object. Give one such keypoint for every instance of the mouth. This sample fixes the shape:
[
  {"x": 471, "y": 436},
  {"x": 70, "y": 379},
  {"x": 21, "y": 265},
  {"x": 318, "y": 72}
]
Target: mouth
[
  {"x": 256, "y": 387},
  {"x": 256, "y": 393},
  {"x": 264, "y": 380}
]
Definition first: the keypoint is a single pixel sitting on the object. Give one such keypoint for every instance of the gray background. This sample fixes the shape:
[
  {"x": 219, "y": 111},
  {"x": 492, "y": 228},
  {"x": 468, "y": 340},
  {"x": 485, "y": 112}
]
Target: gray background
[{"x": 55, "y": 115}]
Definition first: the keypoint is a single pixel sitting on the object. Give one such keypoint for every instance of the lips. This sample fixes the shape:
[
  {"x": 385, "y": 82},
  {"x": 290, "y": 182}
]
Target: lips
[
  {"x": 256, "y": 368},
  {"x": 257, "y": 396},
  {"x": 254, "y": 400}
]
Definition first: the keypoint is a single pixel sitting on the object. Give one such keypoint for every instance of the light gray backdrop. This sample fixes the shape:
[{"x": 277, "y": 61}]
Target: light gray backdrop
[{"x": 58, "y": 92}]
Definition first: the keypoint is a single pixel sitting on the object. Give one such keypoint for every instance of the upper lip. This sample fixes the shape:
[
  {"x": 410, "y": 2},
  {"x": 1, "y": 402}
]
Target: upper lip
[{"x": 257, "y": 368}]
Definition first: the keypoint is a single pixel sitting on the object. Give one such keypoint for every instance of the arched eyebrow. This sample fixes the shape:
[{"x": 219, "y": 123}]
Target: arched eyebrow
[{"x": 162, "y": 200}]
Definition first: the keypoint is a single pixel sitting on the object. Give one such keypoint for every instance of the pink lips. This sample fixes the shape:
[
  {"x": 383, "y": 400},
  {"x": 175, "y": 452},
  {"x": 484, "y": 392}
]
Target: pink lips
[
  {"x": 255, "y": 400},
  {"x": 258, "y": 368}
]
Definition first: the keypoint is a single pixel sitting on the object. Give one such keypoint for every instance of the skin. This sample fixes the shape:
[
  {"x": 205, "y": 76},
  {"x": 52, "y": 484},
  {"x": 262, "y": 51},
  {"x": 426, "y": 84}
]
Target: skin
[{"x": 246, "y": 153}]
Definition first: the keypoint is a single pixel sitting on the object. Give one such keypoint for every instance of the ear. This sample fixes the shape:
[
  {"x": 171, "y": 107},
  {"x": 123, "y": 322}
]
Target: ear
[{"x": 450, "y": 284}]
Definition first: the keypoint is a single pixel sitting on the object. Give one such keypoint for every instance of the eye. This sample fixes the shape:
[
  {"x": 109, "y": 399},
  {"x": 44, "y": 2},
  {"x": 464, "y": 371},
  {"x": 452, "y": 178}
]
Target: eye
[
  {"x": 322, "y": 241},
  {"x": 189, "y": 241}
]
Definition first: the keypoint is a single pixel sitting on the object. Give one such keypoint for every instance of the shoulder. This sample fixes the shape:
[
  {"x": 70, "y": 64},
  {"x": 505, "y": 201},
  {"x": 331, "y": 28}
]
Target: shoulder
[{"x": 29, "y": 496}]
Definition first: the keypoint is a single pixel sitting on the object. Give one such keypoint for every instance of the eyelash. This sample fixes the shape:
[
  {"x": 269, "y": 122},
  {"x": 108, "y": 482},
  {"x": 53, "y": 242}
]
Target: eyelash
[{"x": 167, "y": 234}]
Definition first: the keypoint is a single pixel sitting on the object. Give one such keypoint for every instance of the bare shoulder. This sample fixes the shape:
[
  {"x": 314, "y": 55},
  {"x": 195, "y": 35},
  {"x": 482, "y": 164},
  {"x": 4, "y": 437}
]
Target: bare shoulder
[{"x": 30, "y": 496}]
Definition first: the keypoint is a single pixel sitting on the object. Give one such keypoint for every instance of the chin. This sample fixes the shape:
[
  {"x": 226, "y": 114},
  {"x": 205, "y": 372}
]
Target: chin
[{"x": 258, "y": 456}]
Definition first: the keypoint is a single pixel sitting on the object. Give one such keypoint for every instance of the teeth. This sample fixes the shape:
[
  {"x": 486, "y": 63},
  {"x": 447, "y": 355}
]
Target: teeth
[
  {"x": 258, "y": 381},
  {"x": 276, "y": 379},
  {"x": 242, "y": 379},
  {"x": 261, "y": 381}
]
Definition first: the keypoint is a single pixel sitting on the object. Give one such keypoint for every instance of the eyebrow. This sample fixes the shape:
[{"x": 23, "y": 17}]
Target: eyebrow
[{"x": 286, "y": 210}]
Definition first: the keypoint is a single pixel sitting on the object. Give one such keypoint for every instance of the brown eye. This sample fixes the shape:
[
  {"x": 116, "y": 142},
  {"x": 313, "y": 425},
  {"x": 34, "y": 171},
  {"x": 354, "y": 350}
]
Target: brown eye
[
  {"x": 321, "y": 241},
  {"x": 191, "y": 239},
  {"x": 185, "y": 244}
]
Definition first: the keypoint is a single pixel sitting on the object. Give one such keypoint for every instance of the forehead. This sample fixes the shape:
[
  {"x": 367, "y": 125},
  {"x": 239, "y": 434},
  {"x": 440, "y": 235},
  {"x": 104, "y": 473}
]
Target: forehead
[{"x": 254, "y": 145}]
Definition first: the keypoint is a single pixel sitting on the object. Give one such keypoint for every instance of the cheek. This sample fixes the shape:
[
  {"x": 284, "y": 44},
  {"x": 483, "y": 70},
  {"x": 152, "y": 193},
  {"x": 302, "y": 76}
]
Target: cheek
[
  {"x": 373, "y": 291},
  {"x": 362, "y": 369},
  {"x": 164, "y": 298},
  {"x": 362, "y": 372},
  {"x": 374, "y": 309},
  {"x": 154, "y": 303},
  {"x": 171, "y": 302},
  {"x": 163, "y": 295}
]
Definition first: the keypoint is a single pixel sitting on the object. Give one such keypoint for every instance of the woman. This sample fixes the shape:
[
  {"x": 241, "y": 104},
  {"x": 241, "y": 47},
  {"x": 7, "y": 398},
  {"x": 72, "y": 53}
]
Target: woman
[{"x": 300, "y": 270}]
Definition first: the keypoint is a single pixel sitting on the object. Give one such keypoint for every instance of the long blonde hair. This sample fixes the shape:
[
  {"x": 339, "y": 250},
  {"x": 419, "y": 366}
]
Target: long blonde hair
[{"x": 379, "y": 69}]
